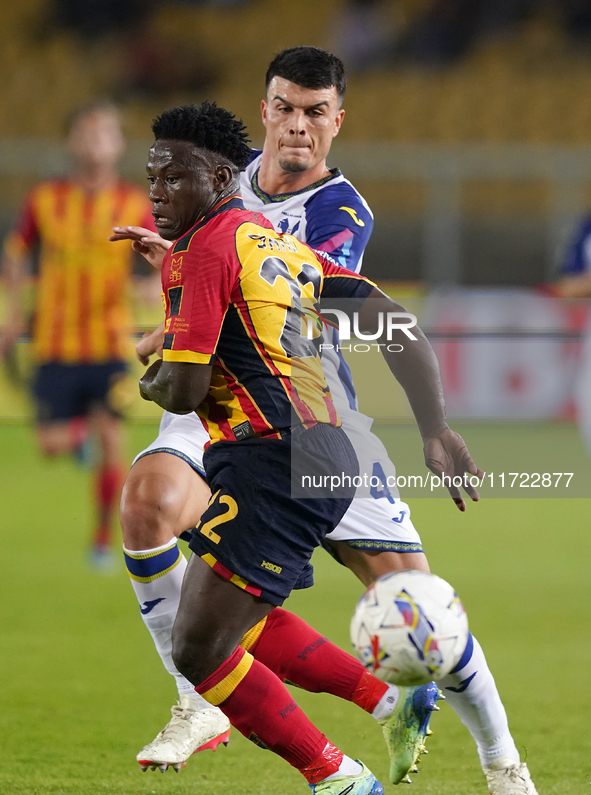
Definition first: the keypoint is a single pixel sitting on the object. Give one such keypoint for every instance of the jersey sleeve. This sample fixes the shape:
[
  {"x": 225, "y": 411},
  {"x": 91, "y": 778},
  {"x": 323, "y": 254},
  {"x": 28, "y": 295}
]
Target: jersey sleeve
[
  {"x": 339, "y": 222},
  {"x": 25, "y": 234},
  {"x": 339, "y": 282},
  {"x": 577, "y": 255},
  {"x": 197, "y": 286}
]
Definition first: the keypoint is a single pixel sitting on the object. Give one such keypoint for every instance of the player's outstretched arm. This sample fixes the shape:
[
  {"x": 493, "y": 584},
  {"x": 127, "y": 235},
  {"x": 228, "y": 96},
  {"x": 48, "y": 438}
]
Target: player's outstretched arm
[
  {"x": 416, "y": 368},
  {"x": 147, "y": 243},
  {"x": 577, "y": 286},
  {"x": 178, "y": 387},
  {"x": 150, "y": 343},
  {"x": 13, "y": 270}
]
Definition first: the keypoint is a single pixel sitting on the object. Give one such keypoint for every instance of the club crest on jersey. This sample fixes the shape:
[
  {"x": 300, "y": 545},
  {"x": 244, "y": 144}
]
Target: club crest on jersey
[
  {"x": 175, "y": 269},
  {"x": 283, "y": 227},
  {"x": 420, "y": 631}
]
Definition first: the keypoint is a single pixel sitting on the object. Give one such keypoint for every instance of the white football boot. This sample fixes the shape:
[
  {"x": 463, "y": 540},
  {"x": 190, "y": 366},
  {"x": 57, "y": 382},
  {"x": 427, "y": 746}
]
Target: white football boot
[
  {"x": 506, "y": 777},
  {"x": 188, "y": 731}
]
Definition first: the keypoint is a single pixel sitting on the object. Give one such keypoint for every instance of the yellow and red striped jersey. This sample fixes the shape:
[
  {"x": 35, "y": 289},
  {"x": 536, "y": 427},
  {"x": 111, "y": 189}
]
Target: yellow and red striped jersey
[
  {"x": 236, "y": 295},
  {"x": 81, "y": 309}
]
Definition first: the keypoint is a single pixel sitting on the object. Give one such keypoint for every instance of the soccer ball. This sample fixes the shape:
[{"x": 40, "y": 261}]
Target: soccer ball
[{"x": 409, "y": 628}]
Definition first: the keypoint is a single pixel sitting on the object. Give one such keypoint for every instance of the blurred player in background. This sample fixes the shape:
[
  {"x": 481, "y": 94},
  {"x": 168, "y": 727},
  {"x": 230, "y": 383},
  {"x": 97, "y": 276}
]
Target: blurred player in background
[
  {"x": 290, "y": 184},
  {"x": 81, "y": 321},
  {"x": 576, "y": 283}
]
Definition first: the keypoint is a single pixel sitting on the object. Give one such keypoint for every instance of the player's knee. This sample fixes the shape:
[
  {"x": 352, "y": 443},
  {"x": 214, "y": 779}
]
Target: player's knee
[
  {"x": 147, "y": 512},
  {"x": 52, "y": 446},
  {"x": 49, "y": 450},
  {"x": 195, "y": 658}
]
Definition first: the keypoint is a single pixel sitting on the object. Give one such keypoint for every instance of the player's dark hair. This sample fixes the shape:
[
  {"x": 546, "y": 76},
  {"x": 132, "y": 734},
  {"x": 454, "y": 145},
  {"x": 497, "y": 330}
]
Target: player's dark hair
[
  {"x": 208, "y": 127},
  {"x": 309, "y": 67}
]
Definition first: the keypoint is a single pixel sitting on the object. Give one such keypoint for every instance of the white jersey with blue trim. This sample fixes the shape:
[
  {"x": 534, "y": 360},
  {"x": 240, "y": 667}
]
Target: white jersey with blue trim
[{"x": 331, "y": 216}]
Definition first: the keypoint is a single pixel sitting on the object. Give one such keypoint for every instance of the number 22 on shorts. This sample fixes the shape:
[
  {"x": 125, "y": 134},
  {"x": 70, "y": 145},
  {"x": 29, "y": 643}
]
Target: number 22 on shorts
[{"x": 227, "y": 516}]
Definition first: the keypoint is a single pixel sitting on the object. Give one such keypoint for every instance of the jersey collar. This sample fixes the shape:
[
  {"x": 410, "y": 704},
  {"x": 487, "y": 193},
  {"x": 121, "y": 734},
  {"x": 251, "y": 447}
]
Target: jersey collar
[
  {"x": 279, "y": 197},
  {"x": 231, "y": 203}
]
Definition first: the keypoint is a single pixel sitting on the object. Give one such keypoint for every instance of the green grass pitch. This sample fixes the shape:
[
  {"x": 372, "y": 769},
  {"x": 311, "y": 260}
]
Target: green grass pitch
[{"x": 81, "y": 688}]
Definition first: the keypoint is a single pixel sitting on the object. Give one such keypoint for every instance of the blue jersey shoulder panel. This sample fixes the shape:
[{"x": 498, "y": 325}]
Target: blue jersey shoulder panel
[
  {"x": 339, "y": 222},
  {"x": 577, "y": 257}
]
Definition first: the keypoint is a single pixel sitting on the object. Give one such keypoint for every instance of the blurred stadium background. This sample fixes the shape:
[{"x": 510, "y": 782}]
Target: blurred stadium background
[{"x": 469, "y": 134}]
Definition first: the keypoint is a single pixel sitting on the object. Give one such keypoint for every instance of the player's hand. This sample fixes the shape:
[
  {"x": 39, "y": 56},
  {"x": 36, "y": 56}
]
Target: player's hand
[
  {"x": 8, "y": 339},
  {"x": 150, "y": 343},
  {"x": 147, "y": 243},
  {"x": 446, "y": 455},
  {"x": 148, "y": 377}
]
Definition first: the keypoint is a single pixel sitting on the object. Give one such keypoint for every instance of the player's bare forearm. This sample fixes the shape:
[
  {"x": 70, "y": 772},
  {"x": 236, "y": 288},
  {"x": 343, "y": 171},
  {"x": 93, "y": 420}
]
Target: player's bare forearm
[
  {"x": 178, "y": 387},
  {"x": 150, "y": 343},
  {"x": 13, "y": 271},
  {"x": 415, "y": 366},
  {"x": 574, "y": 286},
  {"x": 416, "y": 369}
]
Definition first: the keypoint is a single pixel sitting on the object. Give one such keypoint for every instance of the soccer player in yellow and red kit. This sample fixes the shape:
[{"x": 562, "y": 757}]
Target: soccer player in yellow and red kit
[
  {"x": 235, "y": 293},
  {"x": 81, "y": 319}
]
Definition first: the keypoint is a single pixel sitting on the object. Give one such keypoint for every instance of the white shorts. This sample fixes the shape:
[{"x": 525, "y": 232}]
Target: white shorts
[
  {"x": 376, "y": 520},
  {"x": 182, "y": 435}
]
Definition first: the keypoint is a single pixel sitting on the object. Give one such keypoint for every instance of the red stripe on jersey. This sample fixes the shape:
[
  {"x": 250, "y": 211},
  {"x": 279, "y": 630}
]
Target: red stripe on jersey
[
  {"x": 84, "y": 315},
  {"x": 121, "y": 196},
  {"x": 305, "y": 414},
  {"x": 61, "y": 192},
  {"x": 112, "y": 332},
  {"x": 248, "y": 405},
  {"x": 334, "y": 242},
  {"x": 57, "y": 326},
  {"x": 332, "y": 412},
  {"x": 88, "y": 205},
  {"x": 247, "y": 320},
  {"x": 217, "y": 415}
]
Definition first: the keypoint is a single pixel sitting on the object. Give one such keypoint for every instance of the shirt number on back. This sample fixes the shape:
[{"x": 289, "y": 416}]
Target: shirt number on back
[{"x": 291, "y": 340}]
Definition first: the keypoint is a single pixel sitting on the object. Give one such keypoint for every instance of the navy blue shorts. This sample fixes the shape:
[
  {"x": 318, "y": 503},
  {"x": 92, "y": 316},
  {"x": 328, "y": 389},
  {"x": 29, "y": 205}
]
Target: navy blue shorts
[
  {"x": 253, "y": 532},
  {"x": 64, "y": 391}
]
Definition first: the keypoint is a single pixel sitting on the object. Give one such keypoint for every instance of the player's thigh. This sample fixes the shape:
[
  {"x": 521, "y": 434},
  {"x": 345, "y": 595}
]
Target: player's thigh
[
  {"x": 213, "y": 616},
  {"x": 162, "y": 496},
  {"x": 369, "y": 564}
]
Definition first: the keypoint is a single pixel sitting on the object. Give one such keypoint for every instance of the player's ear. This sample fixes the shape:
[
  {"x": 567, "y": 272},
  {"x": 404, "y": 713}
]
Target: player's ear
[
  {"x": 338, "y": 121},
  {"x": 223, "y": 177},
  {"x": 264, "y": 111}
]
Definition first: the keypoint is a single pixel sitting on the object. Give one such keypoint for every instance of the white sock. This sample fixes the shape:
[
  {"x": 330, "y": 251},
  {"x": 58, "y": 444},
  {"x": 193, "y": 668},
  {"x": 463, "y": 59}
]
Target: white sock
[
  {"x": 386, "y": 704},
  {"x": 348, "y": 767},
  {"x": 479, "y": 705},
  {"x": 156, "y": 576}
]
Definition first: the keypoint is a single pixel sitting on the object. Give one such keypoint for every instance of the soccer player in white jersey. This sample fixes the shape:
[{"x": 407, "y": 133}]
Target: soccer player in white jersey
[
  {"x": 575, "y": 282},
  {"x": 290, "y": 184}
]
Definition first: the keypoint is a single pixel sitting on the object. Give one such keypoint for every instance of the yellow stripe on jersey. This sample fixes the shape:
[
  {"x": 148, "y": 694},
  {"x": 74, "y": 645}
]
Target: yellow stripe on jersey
[
  {"x": 71, "y": 225},
  {"x": 187, "y": 356}
]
